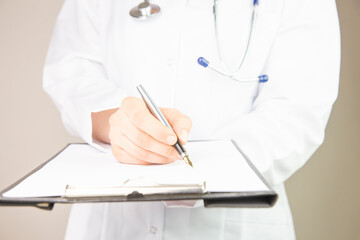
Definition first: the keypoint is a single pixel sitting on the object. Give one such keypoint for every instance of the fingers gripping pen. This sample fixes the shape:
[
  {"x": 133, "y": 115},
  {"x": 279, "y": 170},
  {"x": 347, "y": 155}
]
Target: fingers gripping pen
[{"x": 158, "y": 114}]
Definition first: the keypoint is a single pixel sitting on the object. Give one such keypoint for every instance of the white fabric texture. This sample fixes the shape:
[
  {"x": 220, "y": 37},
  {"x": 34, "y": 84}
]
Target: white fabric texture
[{"x": 98, "y": 54}]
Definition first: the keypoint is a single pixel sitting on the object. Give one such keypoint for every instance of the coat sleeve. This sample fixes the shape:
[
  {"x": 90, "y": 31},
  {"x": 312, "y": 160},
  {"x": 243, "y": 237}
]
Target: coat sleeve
[
  {"x": 74, "y": 75},
  {"x": 288, "y": 118}
]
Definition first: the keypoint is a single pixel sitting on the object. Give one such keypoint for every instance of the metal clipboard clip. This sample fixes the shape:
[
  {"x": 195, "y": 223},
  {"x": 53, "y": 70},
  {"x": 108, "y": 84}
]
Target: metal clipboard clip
[{"x": 132, "y": 187}]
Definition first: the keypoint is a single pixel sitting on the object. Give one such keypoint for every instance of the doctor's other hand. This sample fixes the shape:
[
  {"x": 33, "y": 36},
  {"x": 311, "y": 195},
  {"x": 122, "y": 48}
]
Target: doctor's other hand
[{"x": 137, "y": 137}]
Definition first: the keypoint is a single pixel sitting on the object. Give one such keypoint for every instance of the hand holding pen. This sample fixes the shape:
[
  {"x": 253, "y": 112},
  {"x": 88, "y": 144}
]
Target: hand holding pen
[
  {"x": 137, "y": 137},
  {"x": 156, "y": 112}
]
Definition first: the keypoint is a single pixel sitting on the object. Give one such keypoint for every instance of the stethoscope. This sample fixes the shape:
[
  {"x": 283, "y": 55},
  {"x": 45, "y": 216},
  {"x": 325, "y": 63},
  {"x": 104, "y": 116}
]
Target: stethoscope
[{"x": 146, "y": 10}]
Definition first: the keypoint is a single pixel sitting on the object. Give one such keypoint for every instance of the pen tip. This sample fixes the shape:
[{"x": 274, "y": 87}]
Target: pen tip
[{"x": 187, "y": 160}]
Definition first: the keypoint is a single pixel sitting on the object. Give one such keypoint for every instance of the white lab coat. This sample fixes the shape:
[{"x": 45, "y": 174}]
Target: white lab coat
[{"x": 98, "y": 54}]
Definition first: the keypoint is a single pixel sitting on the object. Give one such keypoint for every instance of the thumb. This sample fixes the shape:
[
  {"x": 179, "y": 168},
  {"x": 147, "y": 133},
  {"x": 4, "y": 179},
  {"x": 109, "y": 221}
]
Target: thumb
[{"x": 179, "y": 122}]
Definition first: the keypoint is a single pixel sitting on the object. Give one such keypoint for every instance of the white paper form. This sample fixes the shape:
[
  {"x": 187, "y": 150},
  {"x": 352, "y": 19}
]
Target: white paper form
[{"x": 218, "y": 163}]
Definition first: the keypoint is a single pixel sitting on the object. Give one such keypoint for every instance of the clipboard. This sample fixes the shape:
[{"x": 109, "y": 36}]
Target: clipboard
[{"x": 123, "y": 193}]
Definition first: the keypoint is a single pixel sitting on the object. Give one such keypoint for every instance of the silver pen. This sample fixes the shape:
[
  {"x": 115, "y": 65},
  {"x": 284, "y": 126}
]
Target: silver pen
[{"x": 155, "y": 111}]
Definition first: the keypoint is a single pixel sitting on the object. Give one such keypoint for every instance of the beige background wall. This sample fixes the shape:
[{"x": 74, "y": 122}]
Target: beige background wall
[{"x": 324, "y": 195}]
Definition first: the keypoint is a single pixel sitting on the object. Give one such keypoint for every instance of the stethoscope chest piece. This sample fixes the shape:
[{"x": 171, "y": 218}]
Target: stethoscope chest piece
[{"x": 145, "y": 10}]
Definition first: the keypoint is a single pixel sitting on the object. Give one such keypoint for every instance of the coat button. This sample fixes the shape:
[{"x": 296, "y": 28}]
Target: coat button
[
  {"x": 153, "y": 230},
  {"x": 170, "y": 62}
]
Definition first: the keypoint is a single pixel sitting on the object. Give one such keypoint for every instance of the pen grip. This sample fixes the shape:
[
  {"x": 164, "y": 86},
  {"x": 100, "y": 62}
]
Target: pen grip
[
  {"x": 180, "y": 148},
  {"x": 155, "y": 111}
]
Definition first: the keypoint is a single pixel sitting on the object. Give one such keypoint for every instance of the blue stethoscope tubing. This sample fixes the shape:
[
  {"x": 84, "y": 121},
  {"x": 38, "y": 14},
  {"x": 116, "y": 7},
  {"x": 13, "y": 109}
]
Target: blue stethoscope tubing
[{"x": 205, "y": 63}]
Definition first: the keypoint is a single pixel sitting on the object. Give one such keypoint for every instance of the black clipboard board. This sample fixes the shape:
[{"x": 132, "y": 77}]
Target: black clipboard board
[{"x": 254, "y": 199}]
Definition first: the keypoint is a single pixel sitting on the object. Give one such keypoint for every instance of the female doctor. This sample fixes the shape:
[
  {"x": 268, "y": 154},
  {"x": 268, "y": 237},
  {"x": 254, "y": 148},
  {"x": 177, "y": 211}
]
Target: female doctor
[{"x": 101, "y": 50}]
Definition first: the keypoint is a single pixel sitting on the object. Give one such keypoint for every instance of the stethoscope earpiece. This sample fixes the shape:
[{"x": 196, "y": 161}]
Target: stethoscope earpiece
[
  {"x": 206, "y": 63},
  {"x": 223, "y": 70},
  {"x": 144, "y": 10}
]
